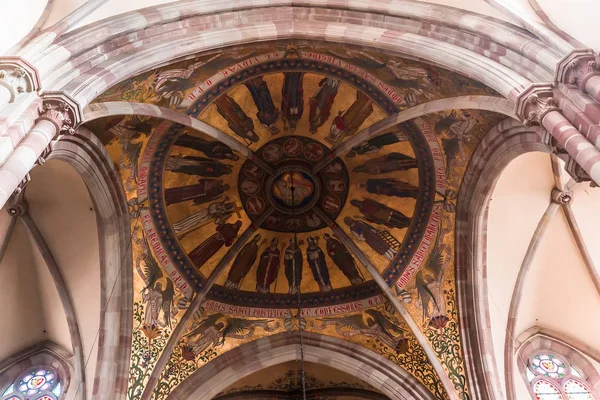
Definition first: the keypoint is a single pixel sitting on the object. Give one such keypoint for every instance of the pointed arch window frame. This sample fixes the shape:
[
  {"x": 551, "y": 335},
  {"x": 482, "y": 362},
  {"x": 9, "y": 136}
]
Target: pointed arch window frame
[
  {"x": 577, "y": 366},
  {"x": 44, "y": 355},
  {"x": 49, "y": 393},
  {"x": 569, "y": 372}
]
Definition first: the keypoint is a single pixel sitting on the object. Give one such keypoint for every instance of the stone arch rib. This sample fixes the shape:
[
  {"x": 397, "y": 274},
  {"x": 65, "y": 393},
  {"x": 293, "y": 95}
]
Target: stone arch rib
[
  {"x": 502, "y": 144},
  {"x": 88, "y": 156},
  {"x": 344, "y": 356}
]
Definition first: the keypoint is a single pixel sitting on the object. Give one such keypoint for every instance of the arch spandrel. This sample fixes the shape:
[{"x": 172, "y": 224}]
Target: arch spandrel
[{"x": 395, "y": 194}]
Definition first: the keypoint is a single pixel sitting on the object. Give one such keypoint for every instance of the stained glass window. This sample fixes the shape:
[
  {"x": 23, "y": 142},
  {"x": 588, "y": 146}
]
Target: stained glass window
[
  {"x": 553, "y": 378},
  {"x": 544, "y": 390},
  {"x": 549, "y": 365},
  {"x": 40, "y": 383},
  {"x": 9, "y": 390},
  {"x": 576, "y": 390}
]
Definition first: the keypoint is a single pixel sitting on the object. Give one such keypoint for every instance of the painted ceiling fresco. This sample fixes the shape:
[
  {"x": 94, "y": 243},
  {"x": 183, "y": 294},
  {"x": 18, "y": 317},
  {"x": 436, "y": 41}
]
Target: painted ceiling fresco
[
  {"x": 284, "y": 380},
  {"x": 193, "y": 195}
]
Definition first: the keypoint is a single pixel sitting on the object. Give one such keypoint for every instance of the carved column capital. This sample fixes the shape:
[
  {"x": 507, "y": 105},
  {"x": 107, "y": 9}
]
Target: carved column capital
[
  {"x": 577, "y": 67},
  {"x": 16, "y": 204},
  {"x": 534, "y": 103},
  {"x": 18, "y": 76},
  {"x": 560, "y": 197},
  {"x": 62, "y": 111}
]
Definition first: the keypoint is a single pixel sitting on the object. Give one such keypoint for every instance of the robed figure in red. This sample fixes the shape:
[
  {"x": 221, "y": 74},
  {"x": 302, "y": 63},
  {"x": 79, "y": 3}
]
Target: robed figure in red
[
  {"x": 225, "y": 235},
  {"x": 242, "y": 263},
  {"x": 320, "y": 104},
  {"x": 268, "y": 266},
  {"x": 343, "y": 259},
  {"x": 237, "y": 119},
  {"x": 205, "y": 190},
  {"x": 378, "y": 213},
  {"x": 292, "y": 100}
]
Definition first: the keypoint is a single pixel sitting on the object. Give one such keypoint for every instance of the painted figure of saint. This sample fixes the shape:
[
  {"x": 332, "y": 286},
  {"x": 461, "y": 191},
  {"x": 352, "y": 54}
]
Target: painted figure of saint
[
  {"x": 197, "y": 166},
  {"x": 390, "y": 187},
  {"x": 292, "y": 100},
  {"x": 382, "y": 242},
  {"x": 268, "y": 266},
  {"x": 242, "y": 263},
  {"x": 377, "y": 143},
  {"x": 293, "y": 266},
  {"x": 215, "y": 150},
  {"x": 316, "y": 261},
  {"x": 219, "y": 212},
  {"x": 236, "y": 118},
  {"x": 321, "y": 103},
  {"x": 205, "y": 190},
  {"x": 153, "y": 297},
  {"x": 347, "y": 123},
  {"x": 381, "y": 214},
  {"x": 343, "y": 259},
  {"x": 389, "y": 163},
  {"x": 225, "y": 235},
  {"x": 267, "y": 112}
]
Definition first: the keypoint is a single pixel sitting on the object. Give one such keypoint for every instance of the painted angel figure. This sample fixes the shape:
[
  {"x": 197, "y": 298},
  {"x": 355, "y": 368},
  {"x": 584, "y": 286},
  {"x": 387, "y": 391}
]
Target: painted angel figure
[
  {"x": 172, "y": 83},
  {"x": 159, "y": 303},
  {"x": 455, "y": 132},
  {"x": 205, "y": 334},
  {"x": 414, "y": 80},
  {"x": 372, "y": 323},
  {"x": 157, "y": 300}
]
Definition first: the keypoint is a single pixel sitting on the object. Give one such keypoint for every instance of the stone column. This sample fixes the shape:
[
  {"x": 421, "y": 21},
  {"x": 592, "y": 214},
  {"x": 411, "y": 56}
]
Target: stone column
[
  {"x": 60, "y": 115},
  {"x": 536, "y": 106},
  {"x": 581, "y": 69},
  {"x": 16, "y": 77}
]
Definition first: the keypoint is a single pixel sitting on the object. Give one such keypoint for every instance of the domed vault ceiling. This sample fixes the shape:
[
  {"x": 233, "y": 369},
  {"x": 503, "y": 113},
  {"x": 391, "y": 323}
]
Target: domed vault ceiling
[{"x": 282, "y": 109}]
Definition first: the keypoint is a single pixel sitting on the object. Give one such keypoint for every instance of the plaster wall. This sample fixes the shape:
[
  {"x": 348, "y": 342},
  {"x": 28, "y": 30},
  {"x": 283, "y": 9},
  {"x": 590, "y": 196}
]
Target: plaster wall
[
  {"x": 61, "y": 206},
  {"x": 60, "y": 9},
  {"x": 555, "y": 289},
  {"x": 579, "y": 19},
  {"x": 519, "y": 200},
  {"x": 17, "y": 19},
  {"x": 586, "y": 207},
  {"x": 22, "y": 316}
]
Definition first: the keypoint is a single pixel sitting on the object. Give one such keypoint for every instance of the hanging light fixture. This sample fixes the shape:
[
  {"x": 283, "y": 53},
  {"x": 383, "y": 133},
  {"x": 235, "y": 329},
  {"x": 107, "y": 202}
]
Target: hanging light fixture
[{"x": 300, "y": 328}]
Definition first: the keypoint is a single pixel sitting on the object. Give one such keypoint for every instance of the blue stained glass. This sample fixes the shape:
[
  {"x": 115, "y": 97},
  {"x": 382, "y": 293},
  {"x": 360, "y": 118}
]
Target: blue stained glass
[
  {"x": 10, "y": 389},
  {"x": 57, "y": 390}
]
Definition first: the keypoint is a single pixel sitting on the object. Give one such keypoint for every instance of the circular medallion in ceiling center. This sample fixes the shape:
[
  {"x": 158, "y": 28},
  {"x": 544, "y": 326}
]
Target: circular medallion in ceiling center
[
  {"x": 293, "y": 189},
  {"x": 319, "y": 194}
]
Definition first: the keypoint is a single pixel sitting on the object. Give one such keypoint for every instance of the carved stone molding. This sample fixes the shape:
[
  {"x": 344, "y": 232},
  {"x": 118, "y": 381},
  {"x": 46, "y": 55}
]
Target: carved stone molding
[
  {"x": 534, "y": 103},
  {"x": 577, "y": 67},
  {"x": 62, "y": 111},
  {"x": 578, "y": 173},
  {"x": 560, "y": 197},
  {"x": 18, "y": 76},
  {"x": 17, "y": 205}
]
